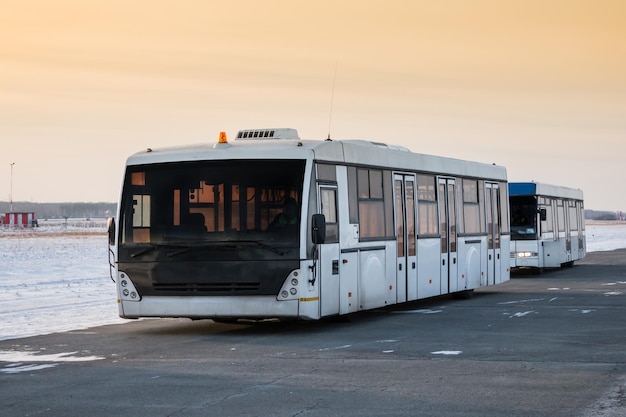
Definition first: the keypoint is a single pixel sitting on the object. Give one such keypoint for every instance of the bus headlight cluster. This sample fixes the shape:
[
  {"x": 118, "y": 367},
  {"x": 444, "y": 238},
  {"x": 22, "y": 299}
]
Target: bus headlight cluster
[
  {"x": 526, "y": 254},
  {"x": 128, "y": 291},
  {"x": 289, "y": 291}
]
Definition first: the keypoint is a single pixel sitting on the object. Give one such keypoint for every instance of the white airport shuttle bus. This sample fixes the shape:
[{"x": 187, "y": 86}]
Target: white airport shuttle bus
[
  {"x": 547, "y": 225},
  {"x": 200, "y": 231}
]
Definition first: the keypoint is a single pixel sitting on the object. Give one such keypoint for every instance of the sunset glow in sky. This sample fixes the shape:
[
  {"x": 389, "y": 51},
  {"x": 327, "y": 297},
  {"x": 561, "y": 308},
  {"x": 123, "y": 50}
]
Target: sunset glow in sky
[{"x": 536, "y": 86}]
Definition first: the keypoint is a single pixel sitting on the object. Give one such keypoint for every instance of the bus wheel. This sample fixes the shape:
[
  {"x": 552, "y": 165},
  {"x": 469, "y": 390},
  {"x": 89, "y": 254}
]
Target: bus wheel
[
  {"x": 463, "y": 295},
  {"x": 225, "y": 320}
]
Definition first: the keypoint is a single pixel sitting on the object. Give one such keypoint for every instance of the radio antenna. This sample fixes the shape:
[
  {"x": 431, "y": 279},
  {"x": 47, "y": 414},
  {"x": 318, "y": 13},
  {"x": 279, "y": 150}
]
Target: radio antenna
[{"x": 332, "y": 98}]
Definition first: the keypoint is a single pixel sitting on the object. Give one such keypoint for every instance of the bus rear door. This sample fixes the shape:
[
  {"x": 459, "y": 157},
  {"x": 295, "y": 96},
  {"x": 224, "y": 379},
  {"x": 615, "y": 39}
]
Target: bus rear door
[
  {"x": 406, "y": 266},
  {"x": 494, "y": 252},
  {"x": 447, "y": 220}
]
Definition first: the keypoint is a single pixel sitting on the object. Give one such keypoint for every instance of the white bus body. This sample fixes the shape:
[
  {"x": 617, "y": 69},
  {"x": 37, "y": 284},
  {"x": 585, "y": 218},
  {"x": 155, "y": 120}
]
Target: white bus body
[
  {"x": 398, "y": 226},
  {"x": 547, "y": 225}
]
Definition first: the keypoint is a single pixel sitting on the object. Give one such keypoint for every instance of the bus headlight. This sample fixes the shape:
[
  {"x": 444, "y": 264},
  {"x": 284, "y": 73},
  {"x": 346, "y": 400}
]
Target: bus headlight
[
  {"x": 526, "y": 254},
  {"x": 128, "y": 292},
  {"x": 289, "y": 290}
]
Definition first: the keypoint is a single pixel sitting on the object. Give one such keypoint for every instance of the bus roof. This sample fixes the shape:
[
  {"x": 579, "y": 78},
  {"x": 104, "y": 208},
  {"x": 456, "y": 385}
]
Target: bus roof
[
  {"x": 542, "y": 189},
  {"x": 357, "y": 152}
]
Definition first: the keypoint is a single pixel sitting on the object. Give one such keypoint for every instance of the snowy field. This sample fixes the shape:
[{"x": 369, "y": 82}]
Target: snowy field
[{"x": 55, "y": 277}]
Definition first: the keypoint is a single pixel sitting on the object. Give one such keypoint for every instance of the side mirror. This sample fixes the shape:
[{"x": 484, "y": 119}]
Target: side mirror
[
  {"x": 111, "y": 230},
  {"x": 543, "y": 214},
  {"x": 318, "y": 228}
]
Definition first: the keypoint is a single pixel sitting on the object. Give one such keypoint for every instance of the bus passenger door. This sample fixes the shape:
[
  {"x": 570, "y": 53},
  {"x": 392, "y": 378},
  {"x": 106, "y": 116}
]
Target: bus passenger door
[
  {"x": 328, "y": 253},
  {"x": 494, "y": 253},
  {"x": 568, "y": 231},
  {"x": 447, "y": 220},
  {"x": 582, "y": 249},
  {"x": 406, "y": 264}
]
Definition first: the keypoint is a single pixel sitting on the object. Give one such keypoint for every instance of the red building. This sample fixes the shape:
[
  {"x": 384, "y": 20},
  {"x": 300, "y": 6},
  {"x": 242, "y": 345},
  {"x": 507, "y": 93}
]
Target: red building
[{"x": 24, "y": 219}]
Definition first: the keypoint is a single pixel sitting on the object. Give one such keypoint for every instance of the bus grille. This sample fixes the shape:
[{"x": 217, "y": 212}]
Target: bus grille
[{"x": 213, "y": 287}]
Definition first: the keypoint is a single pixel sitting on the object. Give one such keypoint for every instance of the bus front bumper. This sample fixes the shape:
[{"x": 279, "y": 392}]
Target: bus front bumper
[{"x": 251, "y": 307}]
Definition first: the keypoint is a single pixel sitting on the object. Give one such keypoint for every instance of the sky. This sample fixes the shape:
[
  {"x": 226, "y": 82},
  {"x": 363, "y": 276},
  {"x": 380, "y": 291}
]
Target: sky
[{"x": 536, "y": 86}]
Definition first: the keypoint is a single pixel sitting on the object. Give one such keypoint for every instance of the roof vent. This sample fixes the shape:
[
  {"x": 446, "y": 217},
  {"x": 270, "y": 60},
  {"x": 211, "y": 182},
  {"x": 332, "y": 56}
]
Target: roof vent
[{"x": 283, "y": 133}]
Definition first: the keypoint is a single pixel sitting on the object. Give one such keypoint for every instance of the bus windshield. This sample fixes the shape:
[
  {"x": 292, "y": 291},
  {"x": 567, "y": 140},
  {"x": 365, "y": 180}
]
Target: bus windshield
[
  {"x": 523, "y": 218},
  {"x": 243, "y": 202}
]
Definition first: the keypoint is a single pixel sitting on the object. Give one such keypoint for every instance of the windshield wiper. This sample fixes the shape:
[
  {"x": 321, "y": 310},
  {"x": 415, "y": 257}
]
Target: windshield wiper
[
  {"x": 261, "y": 245},
  {"x": 151, "y": 248},
  {"x": 227, "y": 244},
  {"x": 142, "y": 251},
  {"x": 181, "y": 248}
]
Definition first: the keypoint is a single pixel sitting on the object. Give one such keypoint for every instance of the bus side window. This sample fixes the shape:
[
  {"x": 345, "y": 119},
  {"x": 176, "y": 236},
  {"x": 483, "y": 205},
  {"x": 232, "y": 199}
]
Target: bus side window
[{"x": 329, "y": 210}]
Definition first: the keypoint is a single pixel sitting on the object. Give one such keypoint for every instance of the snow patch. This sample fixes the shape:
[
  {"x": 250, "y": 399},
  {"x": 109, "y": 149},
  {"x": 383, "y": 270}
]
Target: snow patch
[
  {"x": 335, "y": 348},
  {"x": 29, "y": 356},
  {"x": 521, "y": 314},
  {"x": 419, "y": 311},
  {"x": 532, "y": 300},
  {"x": 25, "y": 368}
]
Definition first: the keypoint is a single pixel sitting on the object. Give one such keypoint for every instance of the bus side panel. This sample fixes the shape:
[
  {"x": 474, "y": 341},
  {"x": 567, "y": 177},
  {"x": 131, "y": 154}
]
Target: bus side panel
[
  {"x": 505, "y": 270},
  {"x": 348, "y": 286},
  {"x": 513, "y": 258},
  {"x": 575, "y": 250},
  {"x": 411, "y": 269},
  {"x": 390, "y": 273},
  {"x": 327, "y": 270},
  {"x": 554, "y": 253},
  {"x": 309, "y": 307},
  {"x": 470, "y": 263},
  {"x": 582, "y": 247},
  {"x": 428, "y": 272},
  {"x": 373, "y": 279},
  {"x": 547, "y": 241}
]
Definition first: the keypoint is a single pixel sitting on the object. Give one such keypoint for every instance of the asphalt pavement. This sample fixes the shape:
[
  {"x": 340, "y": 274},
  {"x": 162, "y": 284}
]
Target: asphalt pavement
[{"x": 539, "y": 345}]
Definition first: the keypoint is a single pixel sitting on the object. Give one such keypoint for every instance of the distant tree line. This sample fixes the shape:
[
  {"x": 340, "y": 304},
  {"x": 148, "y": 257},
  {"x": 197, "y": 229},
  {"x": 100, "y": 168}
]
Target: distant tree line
[
  {"x": 600, "y": 215},
  {"x": 62, "y": 210}
]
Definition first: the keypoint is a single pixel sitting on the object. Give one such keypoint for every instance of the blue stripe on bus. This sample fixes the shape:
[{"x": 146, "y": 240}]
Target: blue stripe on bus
[{"x": 522, "y": 188}]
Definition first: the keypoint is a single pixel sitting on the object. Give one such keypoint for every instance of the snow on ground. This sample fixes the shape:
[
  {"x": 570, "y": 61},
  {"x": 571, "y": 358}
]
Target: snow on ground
[
  {"x": 605, "y": 236},
  {"x": 56, "y": 278}
]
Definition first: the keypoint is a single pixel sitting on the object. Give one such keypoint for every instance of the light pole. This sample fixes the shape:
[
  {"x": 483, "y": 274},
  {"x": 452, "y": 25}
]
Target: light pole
[{"x": 11, "y": 195}]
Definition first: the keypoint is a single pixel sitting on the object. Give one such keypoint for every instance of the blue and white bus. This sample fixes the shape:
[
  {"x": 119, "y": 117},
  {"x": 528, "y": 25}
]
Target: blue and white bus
[
  {"x": 195, "y": 234},
  {"x": 547, "y": 225}
]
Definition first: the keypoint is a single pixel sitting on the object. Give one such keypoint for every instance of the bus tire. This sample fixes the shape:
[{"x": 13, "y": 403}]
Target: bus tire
[
  {"x": 225, "y": 320},
  {"x": 463, "y": 295}
]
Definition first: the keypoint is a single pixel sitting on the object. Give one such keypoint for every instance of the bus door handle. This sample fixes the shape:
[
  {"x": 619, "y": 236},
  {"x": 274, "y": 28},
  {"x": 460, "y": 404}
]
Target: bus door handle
[
  {"x": 399, "y": 267},
  {"x": 443, "y": 262},
  {"x": 413, "y": 265}
]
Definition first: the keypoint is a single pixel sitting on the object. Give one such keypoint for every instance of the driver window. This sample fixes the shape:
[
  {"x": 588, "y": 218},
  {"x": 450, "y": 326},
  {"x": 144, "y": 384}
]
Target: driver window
[{"x": 329, "y": 210}]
